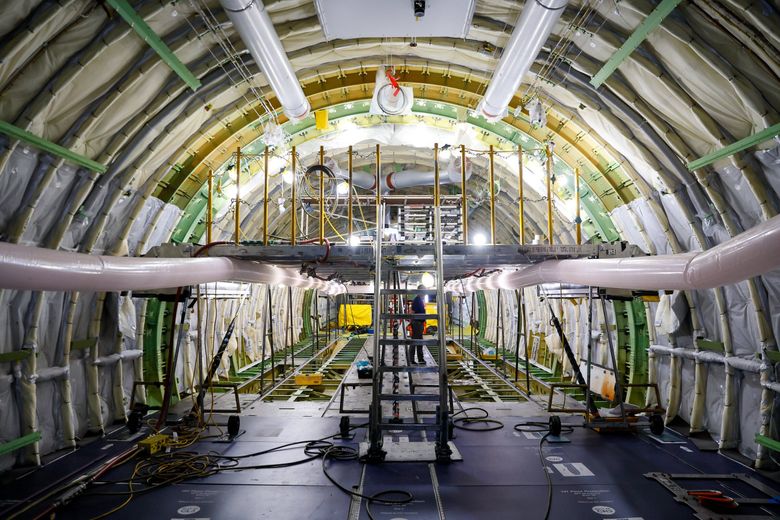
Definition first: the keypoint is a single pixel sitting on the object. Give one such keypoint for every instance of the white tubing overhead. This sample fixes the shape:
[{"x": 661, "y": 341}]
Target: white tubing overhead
[
  {"x": 747, "y": 255},
  {"x": 403, "y": 179},
  {"x": 533, "y": 27},
  {"x": 253, "y": 24},
  {"x": 40, "y": 269}
]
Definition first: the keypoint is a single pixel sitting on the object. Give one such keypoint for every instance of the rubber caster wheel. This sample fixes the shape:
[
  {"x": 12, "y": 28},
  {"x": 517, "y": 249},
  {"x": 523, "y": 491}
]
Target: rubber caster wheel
[
  {"x": 656, "y": 424},
  {"x": 555, "y": 426},
  {"x": 234, "y": 424},
  {"x": 134, "y": 421}
]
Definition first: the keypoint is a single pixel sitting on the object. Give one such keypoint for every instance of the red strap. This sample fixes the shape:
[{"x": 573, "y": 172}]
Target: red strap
[{"x": 393, "y": 82}]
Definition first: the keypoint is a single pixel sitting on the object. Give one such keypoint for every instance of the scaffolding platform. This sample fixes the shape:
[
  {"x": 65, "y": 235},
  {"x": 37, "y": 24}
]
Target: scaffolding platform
[{"x": 356, "y": 262}]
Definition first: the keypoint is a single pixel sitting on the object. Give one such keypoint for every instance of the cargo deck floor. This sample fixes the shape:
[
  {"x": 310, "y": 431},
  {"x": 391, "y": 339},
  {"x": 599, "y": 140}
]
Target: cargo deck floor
[{"x": 501, "y": 477}]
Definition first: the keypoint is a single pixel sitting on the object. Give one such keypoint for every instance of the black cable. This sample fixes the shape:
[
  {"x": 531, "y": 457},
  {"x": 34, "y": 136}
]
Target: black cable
[
  {"x": 350, "y": 453},
  {"x": 539, "y": 426},
  {"x": 462, "y": 422},
  {"x": 550, "y": 8},
  {"x": 546, "y": 474}
]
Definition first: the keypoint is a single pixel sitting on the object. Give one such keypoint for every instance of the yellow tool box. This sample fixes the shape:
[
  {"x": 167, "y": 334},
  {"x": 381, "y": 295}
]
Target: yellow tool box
[{"x": 308, "y": 379}]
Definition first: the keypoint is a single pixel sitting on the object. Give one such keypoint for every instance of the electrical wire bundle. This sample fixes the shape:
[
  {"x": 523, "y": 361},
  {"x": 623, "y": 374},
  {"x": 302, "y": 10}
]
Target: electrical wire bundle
[{"x": 172, "y": 467}]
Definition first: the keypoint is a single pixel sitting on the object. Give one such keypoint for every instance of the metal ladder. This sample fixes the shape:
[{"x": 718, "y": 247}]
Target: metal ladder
[{"x": 388, "y": 311}]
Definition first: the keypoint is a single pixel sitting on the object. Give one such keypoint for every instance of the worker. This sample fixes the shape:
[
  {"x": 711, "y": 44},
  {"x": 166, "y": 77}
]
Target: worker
[{"x": 418, "y": 326}]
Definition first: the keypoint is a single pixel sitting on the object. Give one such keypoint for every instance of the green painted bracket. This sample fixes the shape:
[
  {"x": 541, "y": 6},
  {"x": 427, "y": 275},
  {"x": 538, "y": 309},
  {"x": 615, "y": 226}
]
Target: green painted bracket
[
  {"x": 772, "y": 355},
  {"x": 653, "y": 20},
  {"x": 20, "y": 442},
  {"x": 767, "y": 442},
  {"x": 16, "y": 355},
  {"x": 47, "y": 146},
  {"x": 706, "y": 344},
  {"x": 747, "y": 142},
  {"x": 149, "y": 36}
]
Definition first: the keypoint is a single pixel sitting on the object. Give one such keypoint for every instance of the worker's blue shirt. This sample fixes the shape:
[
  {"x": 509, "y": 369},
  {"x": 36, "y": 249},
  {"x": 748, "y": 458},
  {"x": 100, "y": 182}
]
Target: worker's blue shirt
[{"x": 418, "y": 305}]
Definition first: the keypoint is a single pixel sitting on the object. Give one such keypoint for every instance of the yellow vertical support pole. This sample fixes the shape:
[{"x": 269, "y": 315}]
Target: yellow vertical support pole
[
  {"x": 577, "y": 218},
  {"x": 322, "y": 198},
  {"x": 265, "y": 197},
  {"x": 435, "y": 173},
  {"x": 548, "y": 152},
  {"x": 237, "y": 232},
  {"x": 464, "y": 203},
  {"x": 492, "y": 198},
  {"x": 349, "y": 200},
  {"x": 292, "y": 199},
  {"x": 209, "y": 214},
  {"x": 521, "y": 198}
]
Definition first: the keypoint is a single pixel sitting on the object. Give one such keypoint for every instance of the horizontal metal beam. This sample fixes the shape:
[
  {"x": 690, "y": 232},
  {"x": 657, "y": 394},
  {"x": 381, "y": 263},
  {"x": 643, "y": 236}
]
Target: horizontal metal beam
[
  {"x": 733, "y": 148},
  {"x": 652, "y": 21},
  {"x": 155, "y": 42},
  {"x": 47, "y": 146},
  {"x": 20, "y": 442}
]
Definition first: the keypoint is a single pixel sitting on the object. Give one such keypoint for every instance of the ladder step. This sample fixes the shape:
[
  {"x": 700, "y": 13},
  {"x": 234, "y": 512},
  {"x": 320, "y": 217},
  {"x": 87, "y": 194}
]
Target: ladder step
[
  {"x": 391, "y": 316},
  {"x": 408, "y": 291},
  {"x": 408, "y": 397},
  {"x": 427, "y": 368},
  {"x": 409, "y": 341},
  {"x": 408, "y": 426}
]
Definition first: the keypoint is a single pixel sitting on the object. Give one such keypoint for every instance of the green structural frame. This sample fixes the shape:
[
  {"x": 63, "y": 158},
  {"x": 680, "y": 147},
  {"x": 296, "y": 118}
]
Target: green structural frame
[
  {"x": 742, "y": 144},
  {"x": 47, "y": 146},
  {"x": 653, "y": 20},
  {"x": 143, "y": 30},
  {"x": 633, "y": 340},
  {"x": 155, "y": 334}
]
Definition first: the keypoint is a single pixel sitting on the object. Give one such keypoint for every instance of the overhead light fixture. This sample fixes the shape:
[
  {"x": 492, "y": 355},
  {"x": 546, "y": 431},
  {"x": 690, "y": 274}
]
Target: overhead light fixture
[
  {"x": 531, "y": 31},
  {"x": 427, "y": 280},
  {"x": 354, "y": 240},
  {"x": 253, "y": 24},
  {"x": 479, "y": 239},
  {"x": 287, "y": 177},
  {"x": 342, "y": 188}
]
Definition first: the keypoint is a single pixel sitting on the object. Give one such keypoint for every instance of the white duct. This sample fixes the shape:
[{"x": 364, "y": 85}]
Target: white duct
[
  {"x": 749, "y": 254},
  {"x": 253, "y": 24},
  {"x": 40, "y": 269},
  {"x": 403, "y": 179},
  {"x": 533, "y": 27}
]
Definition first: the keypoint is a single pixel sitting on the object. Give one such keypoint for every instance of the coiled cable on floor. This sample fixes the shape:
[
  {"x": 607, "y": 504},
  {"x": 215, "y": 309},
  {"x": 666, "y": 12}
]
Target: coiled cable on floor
[{"x": 462, "y": 423}]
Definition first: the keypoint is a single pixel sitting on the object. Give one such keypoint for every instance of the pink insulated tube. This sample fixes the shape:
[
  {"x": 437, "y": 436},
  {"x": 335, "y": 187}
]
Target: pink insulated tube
[
  {"x": 749, "y": 254},
  {"x": 40, "y": 269}
]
